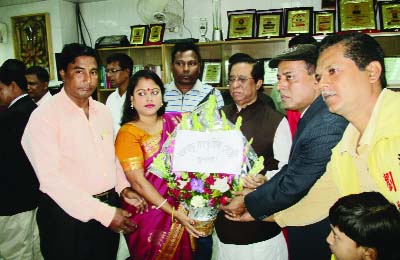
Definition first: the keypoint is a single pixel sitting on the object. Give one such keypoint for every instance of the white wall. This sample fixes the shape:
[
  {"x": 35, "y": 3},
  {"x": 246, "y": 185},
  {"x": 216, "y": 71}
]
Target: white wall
[
  {"x": 113, "y": 17},
  {"x": 116, "y": 16}
]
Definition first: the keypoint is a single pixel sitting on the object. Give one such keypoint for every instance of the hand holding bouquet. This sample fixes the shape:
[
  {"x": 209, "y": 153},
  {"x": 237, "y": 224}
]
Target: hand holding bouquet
[{"x": 215, "y": 155}]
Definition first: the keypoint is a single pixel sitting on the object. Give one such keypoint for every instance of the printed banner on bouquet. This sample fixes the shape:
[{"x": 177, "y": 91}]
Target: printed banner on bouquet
[{"x": 208, "y": 152}]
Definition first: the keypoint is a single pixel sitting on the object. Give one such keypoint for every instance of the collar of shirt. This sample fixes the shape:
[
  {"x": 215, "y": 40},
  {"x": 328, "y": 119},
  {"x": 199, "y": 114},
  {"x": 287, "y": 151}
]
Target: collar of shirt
[
  {"x": 196, "y": 88},
  {"x": 44, "y": 98},
  {"x": 117, "y": 95},
  {"x": 74, "y": 107},
  {"x": 352, "y": 138},
  {"x": 305, "y": 110},
  {"x": 249, "y": 105},
  {"x": 16, "y": 99}
]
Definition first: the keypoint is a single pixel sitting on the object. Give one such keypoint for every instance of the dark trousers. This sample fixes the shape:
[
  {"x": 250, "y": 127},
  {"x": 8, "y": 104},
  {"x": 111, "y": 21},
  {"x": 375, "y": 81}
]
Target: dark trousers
[
  {"x": 63, "y": 237},
  {"x": 309, "y": 242},
  {"x": 204, "y": 248}
]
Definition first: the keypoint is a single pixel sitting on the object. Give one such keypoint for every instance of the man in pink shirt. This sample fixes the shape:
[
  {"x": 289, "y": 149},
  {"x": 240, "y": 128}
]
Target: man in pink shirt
[{"x": 69, "y": 142}]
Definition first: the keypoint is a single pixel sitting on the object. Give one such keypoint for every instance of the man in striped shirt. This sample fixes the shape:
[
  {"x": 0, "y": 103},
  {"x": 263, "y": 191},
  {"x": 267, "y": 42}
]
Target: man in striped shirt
[{"x": 186, "y": 92}]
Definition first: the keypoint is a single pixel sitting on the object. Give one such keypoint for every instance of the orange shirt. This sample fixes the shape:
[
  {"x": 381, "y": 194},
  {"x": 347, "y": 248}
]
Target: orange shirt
[{"x": 74, "y": 157}]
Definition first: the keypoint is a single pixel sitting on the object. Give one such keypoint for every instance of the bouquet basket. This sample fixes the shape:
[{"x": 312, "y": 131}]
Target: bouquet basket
[{"x": 202, "y": 162}]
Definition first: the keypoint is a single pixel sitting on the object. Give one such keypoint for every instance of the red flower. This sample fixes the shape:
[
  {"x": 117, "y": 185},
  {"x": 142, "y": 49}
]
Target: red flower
[
  {"x": 186, "y": 196},
  {"x": 210, "y": 180},
  {"x": 223, "y": 200},
  {"x": 175, "y": 192},
  {"x": 187, "y": 187},
  {"x": 207, "y": 191}
]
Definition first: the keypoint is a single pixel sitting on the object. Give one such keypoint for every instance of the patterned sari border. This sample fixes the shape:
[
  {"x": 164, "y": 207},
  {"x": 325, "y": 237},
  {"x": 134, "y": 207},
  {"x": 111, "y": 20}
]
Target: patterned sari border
[
  {"x": 133, "y": 163},
  {"x": 173, "y": 239}
]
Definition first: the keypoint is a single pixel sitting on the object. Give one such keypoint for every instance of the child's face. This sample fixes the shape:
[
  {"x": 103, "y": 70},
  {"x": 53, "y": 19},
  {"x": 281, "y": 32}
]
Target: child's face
[{"x": 343, "y": 247}]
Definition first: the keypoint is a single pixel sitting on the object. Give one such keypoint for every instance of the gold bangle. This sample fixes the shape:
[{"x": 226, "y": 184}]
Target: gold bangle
[{"x": 172, "y": 215}]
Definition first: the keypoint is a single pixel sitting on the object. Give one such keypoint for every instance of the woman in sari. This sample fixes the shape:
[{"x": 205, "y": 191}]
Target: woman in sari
[{"x": 164, "y": 229}]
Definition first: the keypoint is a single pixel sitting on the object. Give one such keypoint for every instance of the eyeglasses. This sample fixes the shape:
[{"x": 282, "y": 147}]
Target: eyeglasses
[
  {"x": 242, "y": 80},
  {"x": 113, "y": 71},
  {"x": 183, "y": 64}
]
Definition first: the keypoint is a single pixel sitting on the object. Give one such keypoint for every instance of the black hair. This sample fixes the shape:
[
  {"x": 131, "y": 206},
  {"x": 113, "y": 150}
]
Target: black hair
[
  {"x": 125, "y": 62},
  {"x": 40, "y": 73},
  {"x": 130, "y": 114},
  {"x": 257, "y": 72},
  {"x": 302, "y": 39},
  {"x": 73, "y": 50},
  {"x": 13, "y": 70},
  {"x": 360, "y": 48},
  {"x": 370, "y": 220},
  {"x": 186, "y": 46}
]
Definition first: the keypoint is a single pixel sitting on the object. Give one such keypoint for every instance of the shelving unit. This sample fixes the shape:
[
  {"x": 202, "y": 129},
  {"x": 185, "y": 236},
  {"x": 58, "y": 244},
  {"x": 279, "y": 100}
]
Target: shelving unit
[{"x": 257, "y": 48}]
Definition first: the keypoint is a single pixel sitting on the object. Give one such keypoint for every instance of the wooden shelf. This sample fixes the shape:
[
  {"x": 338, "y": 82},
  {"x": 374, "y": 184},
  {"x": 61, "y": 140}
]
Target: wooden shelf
[{"x": 222, "y": 50}]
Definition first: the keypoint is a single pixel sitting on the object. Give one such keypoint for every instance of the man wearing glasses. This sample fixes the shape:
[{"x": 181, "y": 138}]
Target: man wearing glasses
[
  {"x": 187, "y": 92},
  {"x": 119, "y": 70},
  {"x": 269, "y": 131}
]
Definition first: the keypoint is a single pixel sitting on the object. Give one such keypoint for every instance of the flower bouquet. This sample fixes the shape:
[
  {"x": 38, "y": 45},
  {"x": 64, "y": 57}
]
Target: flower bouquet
[{"x": 202, "y": 162}]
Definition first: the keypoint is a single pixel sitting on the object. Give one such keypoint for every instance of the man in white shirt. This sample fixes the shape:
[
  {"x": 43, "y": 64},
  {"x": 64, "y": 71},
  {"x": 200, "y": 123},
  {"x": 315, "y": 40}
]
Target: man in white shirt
[
  {"x": 187, "y": 92},
  {"x": 119, "y": 70},
  {"x": 38, "y": 84}
]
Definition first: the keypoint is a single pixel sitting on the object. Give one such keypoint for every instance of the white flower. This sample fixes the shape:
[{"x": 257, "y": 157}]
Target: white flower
[
  {"x": 182, "y": 184},
  {"x": 198, "y": 201},
  {"x": 220, "y": 184}
]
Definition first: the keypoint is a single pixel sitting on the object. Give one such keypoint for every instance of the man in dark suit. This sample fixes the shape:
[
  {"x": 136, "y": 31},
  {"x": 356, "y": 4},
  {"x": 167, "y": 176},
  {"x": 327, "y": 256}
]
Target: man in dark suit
[
  {"x": 19, "y": 187},
  {"x": 317, "y": 133}
]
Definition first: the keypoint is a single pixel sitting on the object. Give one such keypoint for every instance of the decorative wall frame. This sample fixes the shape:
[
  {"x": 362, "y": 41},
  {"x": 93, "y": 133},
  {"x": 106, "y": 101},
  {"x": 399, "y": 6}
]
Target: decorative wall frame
[
  {"x": 32, "y": 40},
  {"x": 356, "y": 15},
  {"x": 138, "y": 34},
  {"x": 155, "y": 35},
  {"x": 324, "y": 22},
  {"x": 298, "y": 20},
  {"x": 211, "y": 73},
  {"x": 241, "y": 24},
  {"x": 269, "y": 23},
  {"x": 389, "y": 15}
]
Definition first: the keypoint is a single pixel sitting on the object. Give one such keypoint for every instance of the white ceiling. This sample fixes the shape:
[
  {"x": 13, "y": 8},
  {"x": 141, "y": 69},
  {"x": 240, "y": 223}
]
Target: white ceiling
[{"x": 19, "y": 2}]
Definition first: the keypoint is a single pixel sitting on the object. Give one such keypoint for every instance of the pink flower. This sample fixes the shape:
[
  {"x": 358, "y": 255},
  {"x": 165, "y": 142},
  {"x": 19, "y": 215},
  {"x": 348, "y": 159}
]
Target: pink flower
[
  {"x": 170, "y": 148},
  {"x": 211, "y": 202}
]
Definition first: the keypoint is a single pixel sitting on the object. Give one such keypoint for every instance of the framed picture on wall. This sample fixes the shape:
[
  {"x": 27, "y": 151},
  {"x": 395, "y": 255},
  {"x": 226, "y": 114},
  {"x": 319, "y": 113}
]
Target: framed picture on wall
[
  {"x": 389, "y": 15},
  {"x": 156, "y": 34},
  {"x": 269, "y": 23},
  {"x": 211, "y": 73},
  {"x": 324, "y": 22},
  {"x": 298, "y": 20},
  {"x": 32, "y": 40},
  {"x": 241, "y": 24},
  {"x": 356, "y": 15},
  {"x": 138, "y": 34}
]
